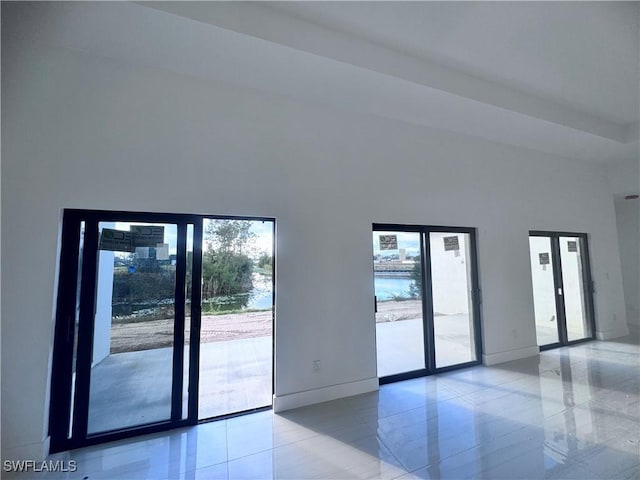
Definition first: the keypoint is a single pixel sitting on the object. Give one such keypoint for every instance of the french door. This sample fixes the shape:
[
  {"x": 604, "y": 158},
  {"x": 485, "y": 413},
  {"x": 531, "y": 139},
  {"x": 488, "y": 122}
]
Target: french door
[
  {"x": 129, "y": 358},
  {"x": 427, "y": 300},
  {"x": 562, "y": 288}
]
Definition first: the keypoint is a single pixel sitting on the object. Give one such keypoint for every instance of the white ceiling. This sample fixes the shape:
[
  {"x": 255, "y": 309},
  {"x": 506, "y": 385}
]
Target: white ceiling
[
  {"x": 581, "y": 55},
  {"x": 558, "y": 77}
]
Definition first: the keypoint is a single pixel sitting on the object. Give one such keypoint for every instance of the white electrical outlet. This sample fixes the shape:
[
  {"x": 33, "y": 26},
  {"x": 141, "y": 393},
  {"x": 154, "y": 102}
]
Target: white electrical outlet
[{"x": 316, "y": 366}]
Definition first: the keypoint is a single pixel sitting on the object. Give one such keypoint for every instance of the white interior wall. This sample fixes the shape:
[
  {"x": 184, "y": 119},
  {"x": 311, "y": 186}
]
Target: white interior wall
[
  {"x": 87, "y": 132},
  {"x": 624, "y": 179},
  {"x": 628, "y": 223}
]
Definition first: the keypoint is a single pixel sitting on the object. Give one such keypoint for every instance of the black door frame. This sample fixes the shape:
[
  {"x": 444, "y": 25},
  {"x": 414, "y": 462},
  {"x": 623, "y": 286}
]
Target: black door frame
[
  {"x": 558, "y": 284},
  {"x": 63, "y": 403},
  {"x": 427, "y": 299}
]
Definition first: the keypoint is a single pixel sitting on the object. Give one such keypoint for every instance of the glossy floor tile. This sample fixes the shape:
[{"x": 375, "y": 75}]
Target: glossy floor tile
[{"x": 571, "y": 413}]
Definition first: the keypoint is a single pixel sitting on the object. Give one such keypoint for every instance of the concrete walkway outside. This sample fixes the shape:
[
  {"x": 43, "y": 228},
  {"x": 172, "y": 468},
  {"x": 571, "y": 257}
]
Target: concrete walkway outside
[
  {"x": 400, "y": 344},
  {"x": 133, "y": 388}
]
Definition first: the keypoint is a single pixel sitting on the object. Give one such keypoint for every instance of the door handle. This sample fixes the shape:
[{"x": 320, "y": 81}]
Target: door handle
[{"x": 375, "y": 304}]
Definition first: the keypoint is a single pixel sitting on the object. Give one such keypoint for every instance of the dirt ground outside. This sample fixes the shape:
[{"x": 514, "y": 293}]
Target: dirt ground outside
[
  {"x": 146, "y": 335},
  {"x": 394, "y": 311},
  {"x": 130, "y": 337}
]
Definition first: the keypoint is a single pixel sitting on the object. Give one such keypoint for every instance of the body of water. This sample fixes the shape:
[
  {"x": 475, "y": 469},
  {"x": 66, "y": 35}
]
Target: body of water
[
  {"x": 259, "y": 298},
  {"x": 386, "y": 288}
]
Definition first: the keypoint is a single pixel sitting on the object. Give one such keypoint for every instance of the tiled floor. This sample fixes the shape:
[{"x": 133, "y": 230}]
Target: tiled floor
[{"x": 571, "y": 413}]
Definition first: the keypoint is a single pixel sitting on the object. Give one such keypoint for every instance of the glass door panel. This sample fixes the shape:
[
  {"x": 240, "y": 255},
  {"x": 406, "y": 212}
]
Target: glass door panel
[
  {"x": 575, "y": 305},
  {"x": 544, "y": 290},
  {"x": 132, "y": 359},
  {"x": 451, "y": 285},
  {"x": 397, "y": 270},
  {"x": 236, "y": 336}
]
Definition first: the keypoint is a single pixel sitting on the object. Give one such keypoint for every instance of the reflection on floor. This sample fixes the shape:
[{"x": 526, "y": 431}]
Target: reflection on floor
[
  {"x": 133, "y": 388},
  {"x": 571, "y": 413}
]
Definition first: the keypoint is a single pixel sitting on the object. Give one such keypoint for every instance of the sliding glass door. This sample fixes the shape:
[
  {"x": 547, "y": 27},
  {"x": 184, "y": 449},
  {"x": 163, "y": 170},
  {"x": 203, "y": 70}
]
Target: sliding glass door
[
  {"x": 119, "y": 360},
  {"x": 544, "y": 290},
  {"x": 134, "y": 327},
  {"x": 562, "y": 293},
  {"x": 236, "y": 332},
  {"x": 427, "y": 300},
  {"x": 452, "y": 287},
  {"x": 576, "y": 288},
  {"x": 399, "y": 314},
  {"x": 132, "y": 352}
]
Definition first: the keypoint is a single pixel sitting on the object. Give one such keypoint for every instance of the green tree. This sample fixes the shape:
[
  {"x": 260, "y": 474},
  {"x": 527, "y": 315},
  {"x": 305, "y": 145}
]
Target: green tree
[
  {"x": 265, "y": 261},
  {"x": 415, "y": 290},
  {"x": 229, "y": 236},
  {"x": 226, "y": 267}
]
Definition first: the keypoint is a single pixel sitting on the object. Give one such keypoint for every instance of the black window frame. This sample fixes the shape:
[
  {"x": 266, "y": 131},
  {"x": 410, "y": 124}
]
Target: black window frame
[
  {"x": 554, "y": 237},
  {"x": 427, "y": 300}
]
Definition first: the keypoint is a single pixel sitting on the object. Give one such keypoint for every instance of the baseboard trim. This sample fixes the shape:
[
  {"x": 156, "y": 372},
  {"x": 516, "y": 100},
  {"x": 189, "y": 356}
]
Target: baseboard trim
[
  {"x": 613, "y": 333},
  {"x": 33, "y": 451},
  {"x": 325, "y": 394},
  {"x": 509, "y": 355}
]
